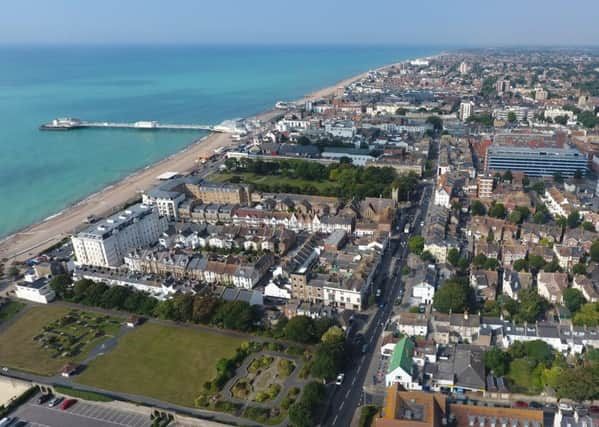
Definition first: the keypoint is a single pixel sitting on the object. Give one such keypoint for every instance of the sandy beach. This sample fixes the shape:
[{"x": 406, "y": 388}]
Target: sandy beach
[{"x": 36, "y": 238}]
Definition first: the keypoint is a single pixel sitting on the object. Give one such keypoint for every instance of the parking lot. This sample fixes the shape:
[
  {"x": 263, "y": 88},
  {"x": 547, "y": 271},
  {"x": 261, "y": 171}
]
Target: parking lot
[{"x": 81, "y": 413}]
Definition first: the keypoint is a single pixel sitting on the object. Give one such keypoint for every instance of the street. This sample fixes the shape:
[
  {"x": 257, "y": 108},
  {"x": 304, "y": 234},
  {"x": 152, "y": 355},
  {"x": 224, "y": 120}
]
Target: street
[{"x": 348, "y": 396}]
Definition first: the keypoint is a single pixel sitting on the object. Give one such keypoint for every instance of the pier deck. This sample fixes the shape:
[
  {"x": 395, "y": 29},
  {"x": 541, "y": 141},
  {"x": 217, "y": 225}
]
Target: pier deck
[{"x": 69, "y": 124}]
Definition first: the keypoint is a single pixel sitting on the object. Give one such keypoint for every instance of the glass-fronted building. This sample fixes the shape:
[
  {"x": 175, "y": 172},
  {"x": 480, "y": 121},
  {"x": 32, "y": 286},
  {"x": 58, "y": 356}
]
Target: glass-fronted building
[{"x": 535, "y": 161}]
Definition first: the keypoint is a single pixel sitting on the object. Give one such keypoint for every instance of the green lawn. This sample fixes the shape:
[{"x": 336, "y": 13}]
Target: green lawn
[
  {"x": 163, "y": 362},
  {"x": 20, "y": 349},
  {"x": 250, "y": 178},
  {"x": 10, "y": 309}
]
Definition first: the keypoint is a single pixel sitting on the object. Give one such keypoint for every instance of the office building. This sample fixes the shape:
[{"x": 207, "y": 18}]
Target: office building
[
  {"x": 105, "y": 243},
  {"x": 465, "y": 110},
  {"x": 535, "y": 161}
]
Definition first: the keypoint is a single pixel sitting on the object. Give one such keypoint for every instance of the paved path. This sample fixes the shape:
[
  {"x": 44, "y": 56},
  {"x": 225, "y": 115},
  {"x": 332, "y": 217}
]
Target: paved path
[{"x": 288, "y": 383}]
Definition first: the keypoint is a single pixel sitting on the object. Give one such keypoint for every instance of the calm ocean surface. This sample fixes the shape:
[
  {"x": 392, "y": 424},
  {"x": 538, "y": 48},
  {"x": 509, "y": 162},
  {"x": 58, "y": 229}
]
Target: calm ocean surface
[{"x": 41, "y": 173}]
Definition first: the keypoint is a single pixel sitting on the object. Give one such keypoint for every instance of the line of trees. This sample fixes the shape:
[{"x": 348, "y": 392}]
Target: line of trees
[{"x": 184, "y": 307}]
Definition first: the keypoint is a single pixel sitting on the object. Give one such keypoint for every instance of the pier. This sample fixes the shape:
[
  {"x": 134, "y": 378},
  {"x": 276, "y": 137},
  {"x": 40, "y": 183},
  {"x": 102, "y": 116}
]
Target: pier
[{"x": 72, "y": 123}]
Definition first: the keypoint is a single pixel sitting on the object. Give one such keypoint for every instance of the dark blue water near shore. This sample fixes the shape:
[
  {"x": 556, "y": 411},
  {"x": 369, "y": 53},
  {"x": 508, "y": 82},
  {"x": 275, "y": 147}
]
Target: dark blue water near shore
[{"x": 43, "y": 172}]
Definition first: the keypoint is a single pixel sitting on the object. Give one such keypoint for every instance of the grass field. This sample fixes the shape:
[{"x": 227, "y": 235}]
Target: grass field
[
  {"x": 250, "y": 178},
  {"x": 10, "y": 309},
  {"x": 163, "y": 362},
  {"x": 19, "y": 349}
]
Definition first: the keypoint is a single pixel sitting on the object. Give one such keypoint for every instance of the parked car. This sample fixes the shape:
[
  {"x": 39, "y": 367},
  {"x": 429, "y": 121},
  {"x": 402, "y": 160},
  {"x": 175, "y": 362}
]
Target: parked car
[
  {"x": 6, "y": 421},
  {"x": 594, "y": 409},
  {"x": 56, "y": 401},
  {"x": 520, "y": 404},
  {"x": 340, "y": 379},
  {"x": 565, "y": 407},
  {"x": 44, "y": 398},
  {"x": 534, "y": 405},
  {"x": 67, "y": 404},
  {"x": 364, "y": 348},
  {"x": 20, "y": 423}
]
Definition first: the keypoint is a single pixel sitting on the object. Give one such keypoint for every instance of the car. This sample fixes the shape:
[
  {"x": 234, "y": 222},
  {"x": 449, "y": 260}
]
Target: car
[
  {"x": 44, "y": 398},
  {"x": 550, "y": 407},
  {"x": 364, "y": 348},
  {"x": 55, "y": 402},
  {"x": 4, "y": 369},
  {"x": 565, "y": 407},
  {"x": 520, "y": 404},
  {"x": 67, "y": 404},
  {"x": 382, "y": 305},
  {"x": 340, "y": 379},
  {"x": 6, "y": 421},
  {"x": 20, "y": 423},
  {"x": 422, "y": 308},
  {"x": 534, "y": 405},
  {"x": 594, "y": 409}
]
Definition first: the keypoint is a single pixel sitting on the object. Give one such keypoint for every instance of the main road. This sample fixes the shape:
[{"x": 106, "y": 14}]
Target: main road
[{"x": 348, "y": 396}]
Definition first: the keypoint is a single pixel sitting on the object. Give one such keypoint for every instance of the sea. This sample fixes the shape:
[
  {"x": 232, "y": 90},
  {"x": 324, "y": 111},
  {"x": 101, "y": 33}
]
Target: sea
[{"x": 42, "y": 173}]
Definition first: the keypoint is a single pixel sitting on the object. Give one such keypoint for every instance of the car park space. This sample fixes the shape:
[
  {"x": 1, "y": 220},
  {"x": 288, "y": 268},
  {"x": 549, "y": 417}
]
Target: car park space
[{"x": 78, "y": 414}]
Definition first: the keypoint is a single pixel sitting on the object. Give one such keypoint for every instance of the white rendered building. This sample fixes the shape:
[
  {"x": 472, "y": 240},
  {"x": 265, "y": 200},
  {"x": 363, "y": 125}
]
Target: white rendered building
[{"x": 105, "y": 243}]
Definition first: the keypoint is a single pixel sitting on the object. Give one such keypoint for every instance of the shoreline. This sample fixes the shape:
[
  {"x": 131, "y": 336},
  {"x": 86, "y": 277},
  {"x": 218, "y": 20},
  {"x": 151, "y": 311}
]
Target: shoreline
[{"x": 35, "y": 238}]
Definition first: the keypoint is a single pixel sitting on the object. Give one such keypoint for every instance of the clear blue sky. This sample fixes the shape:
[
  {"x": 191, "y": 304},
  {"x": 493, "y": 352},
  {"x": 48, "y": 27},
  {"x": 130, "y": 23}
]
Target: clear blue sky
[{"x": 459, "y": 22}]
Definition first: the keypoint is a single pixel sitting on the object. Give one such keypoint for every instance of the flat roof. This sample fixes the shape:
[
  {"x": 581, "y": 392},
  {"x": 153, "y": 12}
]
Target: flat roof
[{"x": 167, "y": 175}]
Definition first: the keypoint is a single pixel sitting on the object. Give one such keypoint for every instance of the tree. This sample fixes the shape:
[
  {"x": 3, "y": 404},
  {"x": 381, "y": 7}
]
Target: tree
[
  {"x": 59, "y": 284},
  {"x": 497, "y": 210},
  {"x": 300, "y": 329},
  {"x": 525, "y": 181},
  {"x": 579, "y": 268},
  {"x": 587, "y": 315},
  {"x": 490, "y": 236},
  {"x": 300, "y": 415},
  {"x": 333, "y": 335},
  {"x": 454, "y": 295},
  {"x": 416, "y": 244},
  {"x": 479, "y": 260},
  {"x": 515, "y": 217},
  {"x": 436, "y": 121},
  {"x": 13, "y": 271},
  {"x": 453, "y": 256},
  {"x": 588, "y": 226},
  {"x": 477, "y": 208},
  {"x": 532, "y": 306},
  {"x": 536, "y": 262},
  {"x": 578, "y": 174},
  {"x": 595, "y": 251},
  {"x": 497, "y": 361},
  {"x": 491, "y": 264},
  {"x": 507, "y": 176},
  {"x": 521, "y": 265},
  {"x": 558, "y": 178},
  {"x": 539, "y": 187},
  {"x": 573, "y": 299},
  {"x": 574, "y": 219},
  {"x": 511, "y": 117},
  {"x": 328, "y": 360}
]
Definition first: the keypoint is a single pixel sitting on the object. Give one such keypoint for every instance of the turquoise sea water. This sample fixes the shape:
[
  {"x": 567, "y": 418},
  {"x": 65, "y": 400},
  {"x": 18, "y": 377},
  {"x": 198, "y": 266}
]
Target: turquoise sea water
[{"x": 41, "y": 173}]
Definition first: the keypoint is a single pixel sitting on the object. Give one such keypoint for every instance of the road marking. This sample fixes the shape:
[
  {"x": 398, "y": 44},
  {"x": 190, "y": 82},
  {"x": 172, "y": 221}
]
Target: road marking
[
  {"x": 335, "y": 419},
  {"x": 353, "y": 381},
  {"x": 341, "y": 406},
  {"x": 347, "y": 394}
]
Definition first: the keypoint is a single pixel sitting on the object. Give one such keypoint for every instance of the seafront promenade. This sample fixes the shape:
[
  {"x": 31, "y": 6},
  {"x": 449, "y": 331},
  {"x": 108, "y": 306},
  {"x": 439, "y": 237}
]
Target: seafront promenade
[{"x": 36, "y": 238}]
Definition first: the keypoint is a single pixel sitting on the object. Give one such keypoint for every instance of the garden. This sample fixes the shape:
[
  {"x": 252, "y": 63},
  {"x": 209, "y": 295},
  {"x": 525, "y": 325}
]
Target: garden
[{"x": 43, "y": 339}]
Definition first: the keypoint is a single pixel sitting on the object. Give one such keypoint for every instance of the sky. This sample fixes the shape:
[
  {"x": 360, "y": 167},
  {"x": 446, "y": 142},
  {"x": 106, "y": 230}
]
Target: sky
[{"x": 413, "y": 22}]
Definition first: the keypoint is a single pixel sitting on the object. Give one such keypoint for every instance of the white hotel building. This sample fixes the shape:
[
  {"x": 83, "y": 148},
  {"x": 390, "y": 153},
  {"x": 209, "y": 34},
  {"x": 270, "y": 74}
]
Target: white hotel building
[{"x": 105, "y": 243}]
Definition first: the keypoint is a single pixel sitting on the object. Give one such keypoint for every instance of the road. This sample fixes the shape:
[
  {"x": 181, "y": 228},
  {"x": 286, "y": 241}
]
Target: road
[{"x": 348, "y": 396}]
